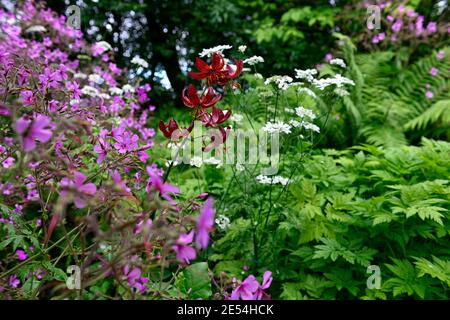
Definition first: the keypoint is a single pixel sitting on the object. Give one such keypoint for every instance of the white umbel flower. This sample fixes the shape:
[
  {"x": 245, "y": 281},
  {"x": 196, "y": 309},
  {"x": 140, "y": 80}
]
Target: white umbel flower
[
  {"x": 96, "y": 78},
  {"x": 115, "y": 91},
  {"x": 217, "y": 49},
  {"x": 89, "y": 91},
  {"x": 242, "y": 48},
  {"x": 104, "y": 45},
  {"x": 279, "y": 126},
  {"x": 338, "y": 80},
  {"x": 281, "y": 81},
  {"x": 140, "y": 62},
  {"x": 36, "y": 28},
  {"x": 308, "y": 74},
  {"x": 196, "y": 161},
  {"x": 338, "y": 62},
  {"x": 272, "y": 180},
  {"x": 254, "y": 60},
  {"x": 223, "y": 222},
  {"x": 128, "y": 88},
  {"x": 302, "y": 113}
]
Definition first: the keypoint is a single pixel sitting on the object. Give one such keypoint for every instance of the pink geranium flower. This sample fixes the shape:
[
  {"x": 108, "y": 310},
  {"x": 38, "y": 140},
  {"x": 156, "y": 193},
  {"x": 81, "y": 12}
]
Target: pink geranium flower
[
  {"x": 155, "y": 183},
  {"x": 82, "y": 190},
  {"x": 246, "y": 290},
  {"x": 21, "y": 255},
  {"x": 205, "y": 224},
  {"x": 31, "y": 130},
  {"x": 184, "y": 252}
]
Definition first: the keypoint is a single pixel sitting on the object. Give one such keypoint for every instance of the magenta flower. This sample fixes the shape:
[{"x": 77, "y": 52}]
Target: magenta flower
[
  {"x": 183, "y": 251},
  {"x": 205, "y": 224},
  {"x": 134, "y": 278},
  {"x": 102, "y": 147},
  {"x": 429, "y": 94},
  {"x": 434, "y": 71},
  {"x": 267, "y": 281},
  {"x": 38, "y": 129},
  {"x": 21, "y": 255},
  {"x": 126, "y": 142},
  {"x": 155, "y": 183},
  {"x": 82, "y": 190},
  {"x": 440, "y": 55},
  {"x": 14, "y": 281},
  {"x": 396, "y": 27},
  {"x": 431, "y": 27},
  {"x": 246, "y": 290},
  {"x": 8, "y": 162}
]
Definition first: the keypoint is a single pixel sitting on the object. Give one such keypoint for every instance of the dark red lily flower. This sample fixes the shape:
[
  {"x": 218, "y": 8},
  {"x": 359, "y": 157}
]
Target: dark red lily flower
[
  {"x": 218, "y": 72},
  {"x": 217, "y": 117},
  {"x": 192, "y": 100},
  {"x": 169, "y": 128}
]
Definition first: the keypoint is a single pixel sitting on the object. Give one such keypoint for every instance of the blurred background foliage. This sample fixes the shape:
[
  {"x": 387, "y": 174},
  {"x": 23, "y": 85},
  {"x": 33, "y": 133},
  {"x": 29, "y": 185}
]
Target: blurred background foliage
[{"x": 170, "y": 33}]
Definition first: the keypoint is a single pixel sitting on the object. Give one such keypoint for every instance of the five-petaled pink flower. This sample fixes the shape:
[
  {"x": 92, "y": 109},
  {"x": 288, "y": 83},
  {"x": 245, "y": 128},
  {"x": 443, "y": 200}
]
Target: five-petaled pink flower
[
  {"x": 134, "y": 278},
  {"x": 156, "y": 183},
  {"x": 82, "y": 190},
  {"x": 184, "y": 252},
  {"x": 31, "y": 130},
  {"x": 246, "y": 290},
  {"x": 205, "y": 224},
  {"x": 21, "y": 255}
]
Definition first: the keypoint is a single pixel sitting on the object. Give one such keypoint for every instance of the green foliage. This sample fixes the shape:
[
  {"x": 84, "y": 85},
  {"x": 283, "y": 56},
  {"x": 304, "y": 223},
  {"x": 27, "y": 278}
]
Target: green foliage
[{"x": 348, "y": 210}]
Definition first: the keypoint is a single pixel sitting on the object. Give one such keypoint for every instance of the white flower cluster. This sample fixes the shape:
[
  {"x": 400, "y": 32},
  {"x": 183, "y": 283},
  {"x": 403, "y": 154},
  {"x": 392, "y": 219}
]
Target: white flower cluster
[
  {"x": 272, "y": 180},
  {"x": 196, "y": 161},
  {"x": 242, "y": 48},
  {"x": 302, "y": 113},
  {"x": 283, "y": 82},
  {"x": 104, "y": 45},
  {"x": 304, "y": 124},
  {"x": 223, "y": 222},
  {"x": 95, "y": 78},
  {"x": 254, "y": 60},
  {"x": 115, "y": 91},
  {"x": 213, "y": 161},
  {"x": 308, "y": 74},
  {"x": 278, "y": 126},
  {"x": 90, "y": 91},
  {"x": 338, "y": 62},
  {"x": 210, "y": 51},
  {"x": 128, "y": 88},
  {"x": 140, "y": 62},
  {"x": 341, "y": 92},
  {"x": 36, "y": 28},
  {"x": 337, "y": 80}
]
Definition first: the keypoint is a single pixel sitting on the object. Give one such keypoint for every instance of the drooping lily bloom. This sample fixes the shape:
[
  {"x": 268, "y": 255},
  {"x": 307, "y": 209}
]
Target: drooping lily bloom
[
  {"x": 77, "y": 185},
  {"x": 183, "y": 251},
  {"x": 192, "y": 100},
  {"x": 216, "y": 117},
  {"x": 29, "y": 130},
  {"x": 169, "y": 128},
  {"x": 172, "y": 126},
  {"x": 218, "y": 72},
  {"x": 213, "y": 73},
  {"x": 205, "y": 224}
]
